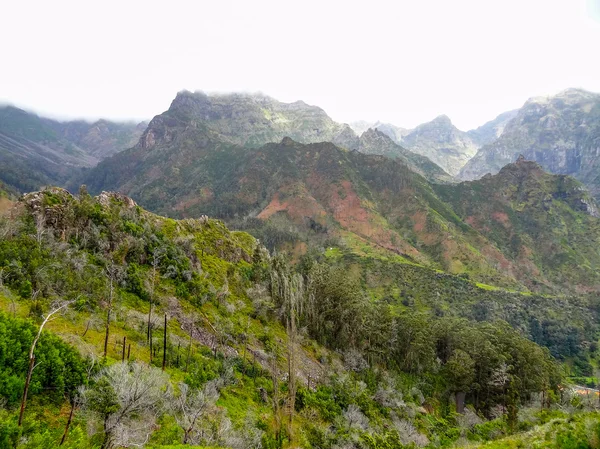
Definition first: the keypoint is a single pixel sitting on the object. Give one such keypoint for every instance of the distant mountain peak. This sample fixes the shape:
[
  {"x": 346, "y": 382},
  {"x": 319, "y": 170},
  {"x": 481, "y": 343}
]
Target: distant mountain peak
[{"x": 442, "y": 119}]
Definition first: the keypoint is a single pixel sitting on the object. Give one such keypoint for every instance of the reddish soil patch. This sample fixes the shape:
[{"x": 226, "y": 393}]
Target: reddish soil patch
[
  {"x": 501, "y": 217},
  {"x": 5, "y": 205},
  {"x": 419, "y": 220},
  {"x": 296, "y": 207}
]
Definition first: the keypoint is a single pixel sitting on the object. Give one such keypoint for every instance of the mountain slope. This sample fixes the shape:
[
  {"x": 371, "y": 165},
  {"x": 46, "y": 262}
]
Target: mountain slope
[
  {"x": 546, "y": 222},
  {"x": 101, "y": 138},
  {"x": 37, "y": 151},
  {"x": 443, "y": 143},
  {"x": 33, "y": 154},
  {"x": 561, "y": 133},
  {"x": 197, "y": 318},
  {"x": 375, "y": 141}
]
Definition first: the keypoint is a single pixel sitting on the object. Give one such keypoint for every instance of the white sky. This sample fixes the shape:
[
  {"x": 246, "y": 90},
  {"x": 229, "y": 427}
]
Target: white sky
[{"x": 403, "y": 62}]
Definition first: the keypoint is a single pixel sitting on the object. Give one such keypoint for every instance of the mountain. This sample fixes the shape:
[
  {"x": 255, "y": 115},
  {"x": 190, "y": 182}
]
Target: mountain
[
  {"x": 490, "y": 131},
  {"x": 37, "y": 151},
  {"x": 561, "y": 133},
  {"x": 439, "y": 140},
  {"x": 375, "y": 141},
  {"x": 101, "y": 138},
  {"x": 394, "y": 132},
  {"x": 250, "y": 120},
  {"x": 443, "y": 143},
  {"x": 523, "y": 211}
]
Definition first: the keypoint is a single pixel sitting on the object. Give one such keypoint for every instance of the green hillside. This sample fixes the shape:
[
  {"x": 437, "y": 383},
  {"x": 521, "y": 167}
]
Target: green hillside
[{"x": 324, "y": 354}]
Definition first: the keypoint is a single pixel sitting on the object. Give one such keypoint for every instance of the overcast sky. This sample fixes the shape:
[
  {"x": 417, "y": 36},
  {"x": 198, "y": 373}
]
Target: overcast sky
[{"x": 403, "y": 62}]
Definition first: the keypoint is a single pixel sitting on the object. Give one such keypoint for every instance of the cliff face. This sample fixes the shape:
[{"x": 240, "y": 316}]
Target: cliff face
[{"x": 561, "y": 133}]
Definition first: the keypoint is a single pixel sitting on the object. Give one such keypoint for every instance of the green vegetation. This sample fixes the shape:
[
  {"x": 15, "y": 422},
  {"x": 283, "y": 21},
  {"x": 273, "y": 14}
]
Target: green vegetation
[{"x": 259, "y": 353}]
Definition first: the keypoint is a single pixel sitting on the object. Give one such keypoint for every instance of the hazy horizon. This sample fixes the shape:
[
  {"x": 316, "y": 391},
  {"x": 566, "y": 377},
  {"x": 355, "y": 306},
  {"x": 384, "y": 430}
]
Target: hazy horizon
[{"x": 399, "y": 62}]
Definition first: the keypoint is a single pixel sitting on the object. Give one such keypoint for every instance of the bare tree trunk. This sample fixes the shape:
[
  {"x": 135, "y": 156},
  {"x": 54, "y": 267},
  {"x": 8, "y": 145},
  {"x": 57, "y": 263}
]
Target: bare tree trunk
[
  {"x": 110, "y": 302},
  {"x": 87, "y": 327},
  {"x": 107, "y": 332},
  {"x": 165, "y": 345},
  {"x": 149, "y": 322},
  {"x": 155, "y": 259},
  {"x": 187, "y": 362},
  {"x": 32, "y": 360},
  {"x": 291, "y": 371},
  {"x": 26, "y": 389},
  {"x": 276, "y": 410},
  {"x": 64, "y": 437},
  {"x": 124, "y": 345}
]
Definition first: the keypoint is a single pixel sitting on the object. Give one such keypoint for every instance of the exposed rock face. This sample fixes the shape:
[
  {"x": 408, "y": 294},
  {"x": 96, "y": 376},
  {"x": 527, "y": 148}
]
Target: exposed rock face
[
  {"x": 105, "y": 199},
  {"x": 374, "y": 141},
  {"x": 561, "y": 133},
  {"x": 247, "y": 120},
  {"x": 443, "y": 143}
]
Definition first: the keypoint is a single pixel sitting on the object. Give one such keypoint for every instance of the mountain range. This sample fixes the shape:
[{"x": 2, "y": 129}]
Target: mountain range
[
  {"x": 290, "y": 174},
  {"x": 293, "y": 194}
]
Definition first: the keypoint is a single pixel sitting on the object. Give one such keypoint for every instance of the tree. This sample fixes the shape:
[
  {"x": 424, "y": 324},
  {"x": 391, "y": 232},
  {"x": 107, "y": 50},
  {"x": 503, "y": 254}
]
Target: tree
[
  {"x": 288, "y": 292},
  {"x": 58, "y": 307},
  {"x": 190, "y": 406},
  {"x": 460, "y": 373},
  {"x": 124, "y": 401},
  {"x": 157, "y": 254},
  {"x": 111, "y": 271}
]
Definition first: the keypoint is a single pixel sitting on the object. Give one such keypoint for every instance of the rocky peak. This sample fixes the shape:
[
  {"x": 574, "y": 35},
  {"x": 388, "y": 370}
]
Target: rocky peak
[
  {"x": 442, "y": 120},
  {"x": 245, "y": 119},
  {"x": 106, "y": 198},
  {"x": 523, "y": 167}
]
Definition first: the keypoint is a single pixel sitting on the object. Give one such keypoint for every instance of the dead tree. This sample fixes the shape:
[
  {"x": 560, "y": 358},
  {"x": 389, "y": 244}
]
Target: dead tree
[
  {"x": 32, "y": 355},
  {"x": 156, "y": 256},
  {"x": 111, "y": 272},
  {"x": 164, "y": 364}
]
